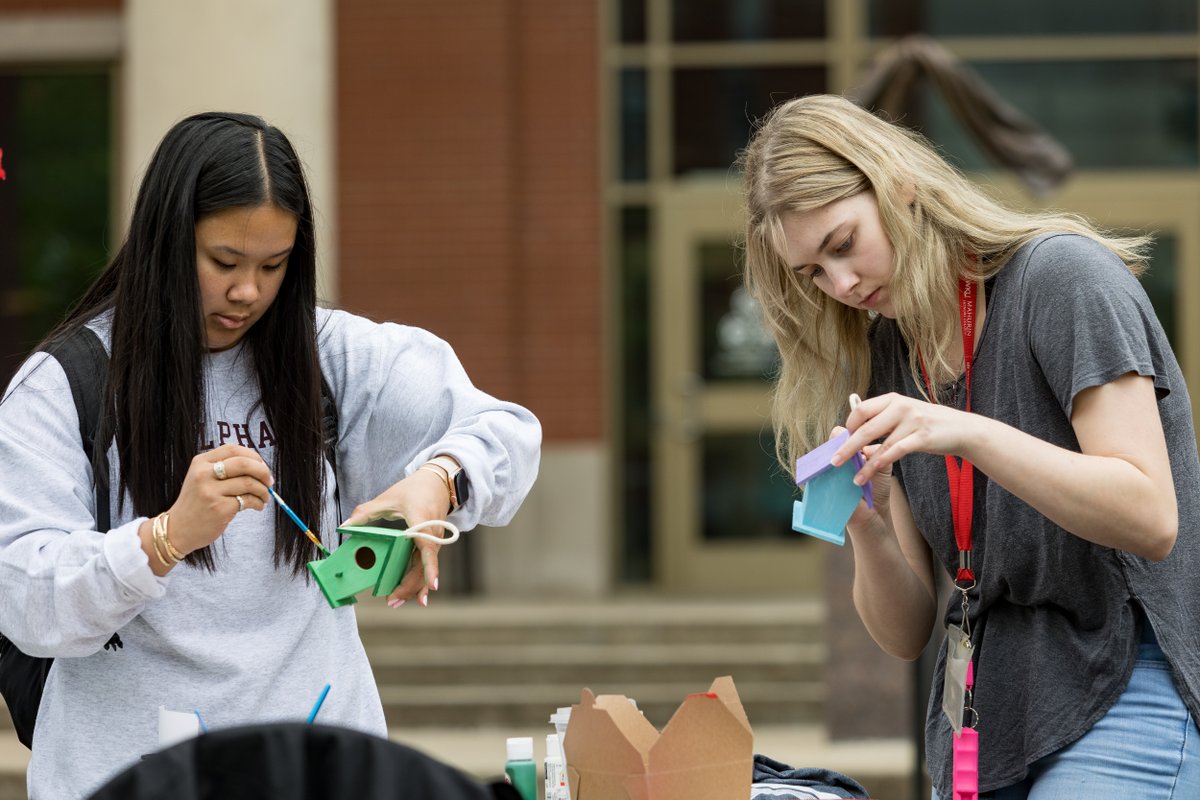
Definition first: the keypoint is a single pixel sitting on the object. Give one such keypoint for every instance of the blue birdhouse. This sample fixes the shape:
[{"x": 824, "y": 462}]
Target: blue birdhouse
[
  {"x": 371, "y": 557},
  {"x": 829, "y": 492}
]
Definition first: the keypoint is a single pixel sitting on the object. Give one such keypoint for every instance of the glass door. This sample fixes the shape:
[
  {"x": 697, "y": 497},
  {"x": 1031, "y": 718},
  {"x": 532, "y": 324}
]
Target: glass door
[{"x": 722, "y": 511}]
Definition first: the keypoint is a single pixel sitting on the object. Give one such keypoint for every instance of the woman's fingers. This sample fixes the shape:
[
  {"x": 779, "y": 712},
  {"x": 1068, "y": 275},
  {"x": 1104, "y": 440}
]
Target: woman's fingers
[
  {"x": 230, "y": 461},
  {"x": 247, "y": 488},
  {"x": 416, "y": 582},
  {"x": 371, "y": 511},
  {"x": 251, "y": 502},
  {"x": 923, "y": 427},
  {"x": 429, "y": 562},
  {"x": 421, "y": 577},
  {"x": 878, "y": 463},
  {"x": 219, "y": 485}
]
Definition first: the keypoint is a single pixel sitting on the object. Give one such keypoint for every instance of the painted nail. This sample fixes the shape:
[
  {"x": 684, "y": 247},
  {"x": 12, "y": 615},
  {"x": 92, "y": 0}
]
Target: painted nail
[
  {"x": 425, "y": 600},
  {"x": 435, "y": 584},
  {"x": 395, "y": 603}
]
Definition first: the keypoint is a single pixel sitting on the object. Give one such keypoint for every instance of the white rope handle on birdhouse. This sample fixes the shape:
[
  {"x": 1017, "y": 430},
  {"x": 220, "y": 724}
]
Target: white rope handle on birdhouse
[{"x": 433, "y": 523}]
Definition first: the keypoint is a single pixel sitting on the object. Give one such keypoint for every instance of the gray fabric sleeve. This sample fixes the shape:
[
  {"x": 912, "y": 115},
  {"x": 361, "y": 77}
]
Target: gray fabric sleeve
[
  {"x": 1112, "y": 326},
  {"x": 403, "y": 397},
  {"x": 64, "y": 587}
]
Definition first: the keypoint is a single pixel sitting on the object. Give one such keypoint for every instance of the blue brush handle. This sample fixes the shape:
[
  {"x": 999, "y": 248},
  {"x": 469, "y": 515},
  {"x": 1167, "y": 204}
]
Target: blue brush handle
[
  {"x": 313, "y": 714},
  {"x": 286, "y": 509}
]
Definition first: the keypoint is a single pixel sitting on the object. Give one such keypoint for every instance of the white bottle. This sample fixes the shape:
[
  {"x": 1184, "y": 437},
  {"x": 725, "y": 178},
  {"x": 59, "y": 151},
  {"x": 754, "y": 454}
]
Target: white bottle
[
  {"x": 560, "y": 720},
  {"x": 556, "y": 773}
]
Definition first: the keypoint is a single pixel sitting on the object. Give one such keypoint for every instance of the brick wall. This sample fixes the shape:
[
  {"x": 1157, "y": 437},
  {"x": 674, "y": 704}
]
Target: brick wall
[{"x": 469, "y": 189}]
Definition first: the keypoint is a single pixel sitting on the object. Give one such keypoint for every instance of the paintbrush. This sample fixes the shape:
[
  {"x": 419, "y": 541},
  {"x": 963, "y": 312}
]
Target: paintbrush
[{"x": 307, "y": 531}]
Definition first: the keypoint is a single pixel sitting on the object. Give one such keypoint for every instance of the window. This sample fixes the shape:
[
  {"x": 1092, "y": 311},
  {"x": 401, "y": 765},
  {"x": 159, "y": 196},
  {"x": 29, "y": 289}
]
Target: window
[{"x": 54, "y": 206}]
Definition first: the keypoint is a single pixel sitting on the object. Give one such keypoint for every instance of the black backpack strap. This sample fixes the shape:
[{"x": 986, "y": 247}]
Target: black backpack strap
[
  {"x": 329, "y": 413},
  {"x": 22, "y": 680},
  {"x": 85, "y": 361}
]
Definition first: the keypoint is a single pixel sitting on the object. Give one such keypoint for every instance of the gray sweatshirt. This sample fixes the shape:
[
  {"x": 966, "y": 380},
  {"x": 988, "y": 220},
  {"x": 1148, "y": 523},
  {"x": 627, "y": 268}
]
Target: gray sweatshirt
[{"x": 248, "y": 643}]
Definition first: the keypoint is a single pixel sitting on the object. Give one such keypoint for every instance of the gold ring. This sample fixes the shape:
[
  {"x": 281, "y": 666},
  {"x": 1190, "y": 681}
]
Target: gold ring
[
  {"x": 219, "y": 470},
  {"x": 241, "y": 503}
]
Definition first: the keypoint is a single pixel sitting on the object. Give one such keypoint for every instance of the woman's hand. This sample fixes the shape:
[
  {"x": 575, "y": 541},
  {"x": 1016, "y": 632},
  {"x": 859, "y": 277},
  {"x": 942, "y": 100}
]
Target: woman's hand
[
  {"x": 880, "y": 491},
  {"x": 208, "y": 502},
  {"x": 419, "y": 497},
  {"x": 881, "y": 488},
  {"x": 905, "y": 425}
]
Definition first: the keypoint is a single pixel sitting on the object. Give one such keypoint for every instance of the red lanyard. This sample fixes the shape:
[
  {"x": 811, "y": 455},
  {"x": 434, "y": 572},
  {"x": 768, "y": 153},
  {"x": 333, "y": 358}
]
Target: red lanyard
[{"x": 962, "y": 479}]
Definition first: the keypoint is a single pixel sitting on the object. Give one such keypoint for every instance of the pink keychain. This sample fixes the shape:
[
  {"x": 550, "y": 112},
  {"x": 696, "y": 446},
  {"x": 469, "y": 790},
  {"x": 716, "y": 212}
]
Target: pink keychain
[{"x": 966, "y": 751}]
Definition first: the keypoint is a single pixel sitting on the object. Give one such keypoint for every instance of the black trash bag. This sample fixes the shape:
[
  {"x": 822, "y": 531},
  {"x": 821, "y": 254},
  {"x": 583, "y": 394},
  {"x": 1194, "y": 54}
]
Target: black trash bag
[{"x": 293, "y": 761}]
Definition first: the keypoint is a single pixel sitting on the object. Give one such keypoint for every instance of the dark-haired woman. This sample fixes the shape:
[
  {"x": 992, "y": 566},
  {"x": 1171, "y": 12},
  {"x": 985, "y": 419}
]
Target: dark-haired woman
[{"x": 214, "y": 393}]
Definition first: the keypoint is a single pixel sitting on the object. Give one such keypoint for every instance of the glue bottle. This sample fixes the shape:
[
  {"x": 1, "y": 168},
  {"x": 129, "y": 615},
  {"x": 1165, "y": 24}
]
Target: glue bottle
[
  {"x": 556, "y": 774},
  {"x": 519, "y": 769},
  {"x": 560, "y": 720}
]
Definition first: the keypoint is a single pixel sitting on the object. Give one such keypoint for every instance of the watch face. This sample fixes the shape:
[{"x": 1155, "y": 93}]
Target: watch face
[{"x": 462, "y": 488}]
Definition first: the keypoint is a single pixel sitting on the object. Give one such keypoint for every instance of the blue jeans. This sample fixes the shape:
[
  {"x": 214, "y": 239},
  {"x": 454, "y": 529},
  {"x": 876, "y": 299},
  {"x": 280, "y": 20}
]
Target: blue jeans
[{"x": 1147, "y": 746}]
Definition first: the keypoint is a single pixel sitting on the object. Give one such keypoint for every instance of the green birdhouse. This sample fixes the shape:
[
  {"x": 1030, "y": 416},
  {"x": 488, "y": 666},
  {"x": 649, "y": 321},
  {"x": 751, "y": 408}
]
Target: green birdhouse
[{"x": 369, "y": 557}]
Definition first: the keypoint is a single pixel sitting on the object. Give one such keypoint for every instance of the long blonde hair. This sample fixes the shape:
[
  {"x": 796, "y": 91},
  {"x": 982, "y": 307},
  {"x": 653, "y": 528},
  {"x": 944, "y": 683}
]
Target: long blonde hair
[{"x": 816, "y": 150}]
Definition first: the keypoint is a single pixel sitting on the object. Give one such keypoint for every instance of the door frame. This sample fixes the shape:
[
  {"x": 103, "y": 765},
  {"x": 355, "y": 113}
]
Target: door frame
[{"x": 687, "y": 214}]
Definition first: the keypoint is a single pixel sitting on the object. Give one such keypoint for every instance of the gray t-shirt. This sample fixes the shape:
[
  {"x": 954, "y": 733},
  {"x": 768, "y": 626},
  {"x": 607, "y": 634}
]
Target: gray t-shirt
[{"x": 1056, "y": 618}]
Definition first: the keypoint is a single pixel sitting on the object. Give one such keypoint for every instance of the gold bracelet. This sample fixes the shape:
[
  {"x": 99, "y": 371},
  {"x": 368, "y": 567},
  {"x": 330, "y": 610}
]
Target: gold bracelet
[
  {"x": 161, "y": 545},
  {"x": 440, "y": 471},
  {"x": 154, "y": 544},
  {"x": 171, "y": 549},
  {"x": 160, "y": 539},
  {"x": 453, "y": 470}
]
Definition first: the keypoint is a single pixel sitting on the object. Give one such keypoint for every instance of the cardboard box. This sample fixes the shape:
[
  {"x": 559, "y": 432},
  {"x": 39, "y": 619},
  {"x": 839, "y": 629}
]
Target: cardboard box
[{"x": 705, "y": 752}]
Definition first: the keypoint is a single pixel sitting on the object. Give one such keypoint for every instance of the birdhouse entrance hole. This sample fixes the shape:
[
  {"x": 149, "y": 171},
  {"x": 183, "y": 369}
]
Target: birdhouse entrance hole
[{"x": 364, "y": 557}]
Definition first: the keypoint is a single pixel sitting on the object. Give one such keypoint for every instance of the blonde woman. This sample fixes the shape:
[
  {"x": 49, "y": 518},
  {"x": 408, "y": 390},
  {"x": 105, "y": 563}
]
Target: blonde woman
[{"x": 1027, "y": 428}]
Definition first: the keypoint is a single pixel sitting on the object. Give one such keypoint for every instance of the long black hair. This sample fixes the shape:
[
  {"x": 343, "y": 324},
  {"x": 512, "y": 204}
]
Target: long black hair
[{"x": 154, "y": 402}]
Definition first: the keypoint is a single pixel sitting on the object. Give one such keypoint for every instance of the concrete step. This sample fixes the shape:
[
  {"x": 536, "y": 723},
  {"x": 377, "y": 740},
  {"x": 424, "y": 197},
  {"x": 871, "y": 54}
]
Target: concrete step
[
  {"x": 473, "y": 705},
  {"x": 505, "y": 662},
  {"x": 521, "y": 664},
  {"x": 452, "y": 620}
]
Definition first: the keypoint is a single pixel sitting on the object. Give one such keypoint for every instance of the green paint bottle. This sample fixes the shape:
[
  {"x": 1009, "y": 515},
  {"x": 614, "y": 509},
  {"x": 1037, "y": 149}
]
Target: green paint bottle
[{"x": 520, "y": 769}]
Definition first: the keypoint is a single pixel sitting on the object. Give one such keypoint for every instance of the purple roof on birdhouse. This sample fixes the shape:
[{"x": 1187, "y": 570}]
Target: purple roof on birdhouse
[{"x": 816, "y": 461}]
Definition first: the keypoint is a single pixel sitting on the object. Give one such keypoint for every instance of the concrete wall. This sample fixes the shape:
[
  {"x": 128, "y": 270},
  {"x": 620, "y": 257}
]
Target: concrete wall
[
  {"x": 273, "y": 58},
  {"x": 559, "y": 544}
]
